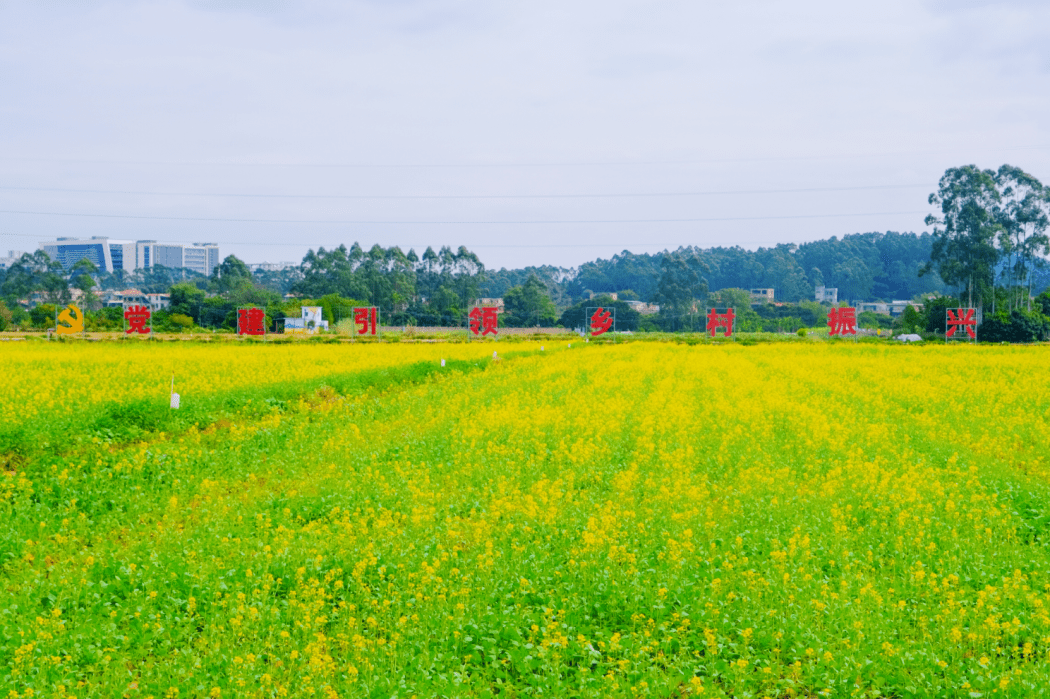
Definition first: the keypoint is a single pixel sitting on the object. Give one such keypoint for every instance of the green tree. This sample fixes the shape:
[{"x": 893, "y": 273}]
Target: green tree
[
  {"x": 230, "y": 274},
  {"x": 529, "y": 304},
  {"x": 1024, "y": 221},
  {"x": 679, "y": 288},
  {"x": 575, "y": 316},
  {"x": 964, "y": 235},
  {"x": 188, "y": 300}
]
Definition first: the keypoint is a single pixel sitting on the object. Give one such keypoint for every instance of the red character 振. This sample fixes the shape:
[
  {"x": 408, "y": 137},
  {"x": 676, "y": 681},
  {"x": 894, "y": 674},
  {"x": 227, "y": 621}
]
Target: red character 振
[
  {"x": 251, "y": 321},
  {"x": 365, "y": 318},
  {"x": 716, "y": 320},
  {"x": 961, "y": 318},
  {"x": 137, "y": 317},
  {"x": 601, "y": 322},
  {"x": 484, "y": 319},
  {"x": 842, "y": 321}
]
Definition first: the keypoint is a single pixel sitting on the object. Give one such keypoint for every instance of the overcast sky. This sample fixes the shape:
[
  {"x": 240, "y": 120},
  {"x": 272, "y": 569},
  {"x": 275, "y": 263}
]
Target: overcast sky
[{"x": 536, "y": 132}]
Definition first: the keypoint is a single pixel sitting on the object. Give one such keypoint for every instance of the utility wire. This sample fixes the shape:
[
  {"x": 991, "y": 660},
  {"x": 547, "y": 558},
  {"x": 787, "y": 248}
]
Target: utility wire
[
  {"x": 789, "y": 158},
  {"x": 437, "y": 223},
  {"x": 469, "y": 196}
]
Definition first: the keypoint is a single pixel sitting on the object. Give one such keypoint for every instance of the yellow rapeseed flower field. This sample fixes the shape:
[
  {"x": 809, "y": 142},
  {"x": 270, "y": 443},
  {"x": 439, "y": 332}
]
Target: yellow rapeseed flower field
[{"x": 623, "y": 520}]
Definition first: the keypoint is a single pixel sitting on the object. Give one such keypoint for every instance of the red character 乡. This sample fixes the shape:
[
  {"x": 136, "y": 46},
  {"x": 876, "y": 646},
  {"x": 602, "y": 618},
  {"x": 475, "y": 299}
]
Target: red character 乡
[{"x": 601, "y": 322}]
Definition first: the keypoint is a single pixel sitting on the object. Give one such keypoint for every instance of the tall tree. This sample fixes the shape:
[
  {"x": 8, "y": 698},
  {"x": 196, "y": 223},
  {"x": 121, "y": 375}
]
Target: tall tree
[
  {"x": 1023, "y": 216},
  {"x": 679, "y": 287},
  {"x": 964, "y": 235}
]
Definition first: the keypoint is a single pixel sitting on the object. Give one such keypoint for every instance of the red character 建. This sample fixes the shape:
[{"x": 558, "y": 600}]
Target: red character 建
[{"x": 251, "y": 321}]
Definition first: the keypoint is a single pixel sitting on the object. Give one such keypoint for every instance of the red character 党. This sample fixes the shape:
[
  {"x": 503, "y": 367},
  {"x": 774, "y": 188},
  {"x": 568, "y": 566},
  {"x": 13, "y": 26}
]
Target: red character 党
[{"x": 137, "y": 317}]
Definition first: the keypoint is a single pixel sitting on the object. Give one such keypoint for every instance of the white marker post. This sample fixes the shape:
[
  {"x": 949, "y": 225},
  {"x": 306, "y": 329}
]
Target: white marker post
[{"x": 174, "y": 395}]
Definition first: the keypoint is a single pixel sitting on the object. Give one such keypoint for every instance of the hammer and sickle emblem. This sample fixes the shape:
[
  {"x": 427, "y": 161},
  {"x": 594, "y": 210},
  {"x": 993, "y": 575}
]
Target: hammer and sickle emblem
[{"x": 67, "y": 323}]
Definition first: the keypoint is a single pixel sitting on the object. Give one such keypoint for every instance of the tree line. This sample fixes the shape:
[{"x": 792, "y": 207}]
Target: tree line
[{"x": 987, "y": 249}]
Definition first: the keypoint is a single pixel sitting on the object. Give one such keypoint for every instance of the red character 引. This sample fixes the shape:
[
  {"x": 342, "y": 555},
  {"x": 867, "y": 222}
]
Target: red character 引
[
  {"x": 601, "y": 322},
  {"x": 137, "y": 316},
  {"x": 961, "y": 318},
  {"x": 366, "y": 319},
  {"x": 484, "y": 319},
  {"x": 251, "y": 321},
  {"x": 716, "y": 320},
  {"x": 842, "y": 321}
]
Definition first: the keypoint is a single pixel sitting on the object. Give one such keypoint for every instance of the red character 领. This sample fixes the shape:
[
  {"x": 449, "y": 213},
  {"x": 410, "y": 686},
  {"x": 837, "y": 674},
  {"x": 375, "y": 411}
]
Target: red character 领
[
  {"x": 842, "y": 321},
  {"x": 251, "y": 321},
  {"x": 484, "y": 319},
  {"x": 137, "y": 317},
  {"x": 601, "y": 322},
  {"x": 716, "y": 320},
  {"x": 366, "y": 319},
  {"x": 961, "y": 318}
]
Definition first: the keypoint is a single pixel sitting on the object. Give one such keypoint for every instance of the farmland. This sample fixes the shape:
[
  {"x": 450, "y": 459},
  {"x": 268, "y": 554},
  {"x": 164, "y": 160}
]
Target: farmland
[{"x": 639, "y": 519}]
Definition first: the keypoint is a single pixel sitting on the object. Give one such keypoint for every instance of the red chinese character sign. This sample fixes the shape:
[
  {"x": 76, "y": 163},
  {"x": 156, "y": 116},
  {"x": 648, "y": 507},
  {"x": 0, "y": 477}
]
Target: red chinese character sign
[
  {"x": 600, "y": 320},
  {"x": 251, "y": 321},
  {"x": 720, "y": 321},
  {"x": 961, "y": 319},
  {"x": 842, "y": 321},
  {"x": 135, "y": 319},
  {"x": 484, "y": 320},
  {"x": 366, "y": 320}
]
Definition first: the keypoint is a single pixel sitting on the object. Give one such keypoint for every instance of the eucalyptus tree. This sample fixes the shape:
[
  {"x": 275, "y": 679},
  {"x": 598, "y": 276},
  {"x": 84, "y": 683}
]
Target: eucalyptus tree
[
  {"x": 1023, "y": 239},
  {"x": 964, "y": 249}
]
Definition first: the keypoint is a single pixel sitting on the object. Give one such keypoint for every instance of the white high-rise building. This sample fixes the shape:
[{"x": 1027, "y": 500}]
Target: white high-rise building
[{"x": 110, "y": 255}]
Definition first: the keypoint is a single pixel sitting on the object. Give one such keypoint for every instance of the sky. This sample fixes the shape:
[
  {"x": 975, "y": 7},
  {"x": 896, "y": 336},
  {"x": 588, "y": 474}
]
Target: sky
[{"x": 532, "y": 133}]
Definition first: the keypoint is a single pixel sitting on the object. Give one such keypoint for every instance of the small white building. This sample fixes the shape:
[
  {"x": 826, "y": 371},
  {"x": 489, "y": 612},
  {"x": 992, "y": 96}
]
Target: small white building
[
  {"x": 827, "y": 295},
  {"x": 311, "y": 321}
]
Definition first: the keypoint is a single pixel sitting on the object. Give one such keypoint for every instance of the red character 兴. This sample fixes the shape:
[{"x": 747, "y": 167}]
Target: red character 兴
[
  {"x": 842, "y": 321},
  {"x": 251, "y": 321},
  {"x": 366, "y": 319},
  {"x": 484, "y": 319},
  {"x": 137, "y": 316},
  {"x": 716, "y": 320},
  {"x": 961, "y": 318},
  {"x": 601, "y": 322}
]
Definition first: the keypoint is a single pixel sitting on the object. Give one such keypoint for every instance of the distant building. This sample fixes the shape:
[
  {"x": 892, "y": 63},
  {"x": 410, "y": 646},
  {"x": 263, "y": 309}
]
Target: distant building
[
  {"x": 311, "y": 321},
  {"x": 13, "y": 256},
  {"x": 761, "y": 296},
  {"x": 827, "y": 295},
  {"x": 645, "y": 309},
  {"x": 110, "y": 255},
  {"x": 271, "y": 266}
]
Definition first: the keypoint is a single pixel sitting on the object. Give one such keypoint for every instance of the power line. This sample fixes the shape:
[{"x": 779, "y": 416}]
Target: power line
[
  {"x": 376, "y": 165},
  {"x": 457, "y": 223},
  {"x": 468, "y": 196}
]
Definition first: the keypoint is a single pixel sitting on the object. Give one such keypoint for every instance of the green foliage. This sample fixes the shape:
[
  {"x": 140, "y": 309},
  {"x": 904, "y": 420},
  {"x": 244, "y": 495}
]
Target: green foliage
[
  {"x": 529, "y": 305},
  {"x": 43, "y": 316},
  {"x": 1016, "y": 326},
  {"x": 871, "y": 320},
  {"x": 6, "y": 317},
  {"x": 935, "y": 312}
]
